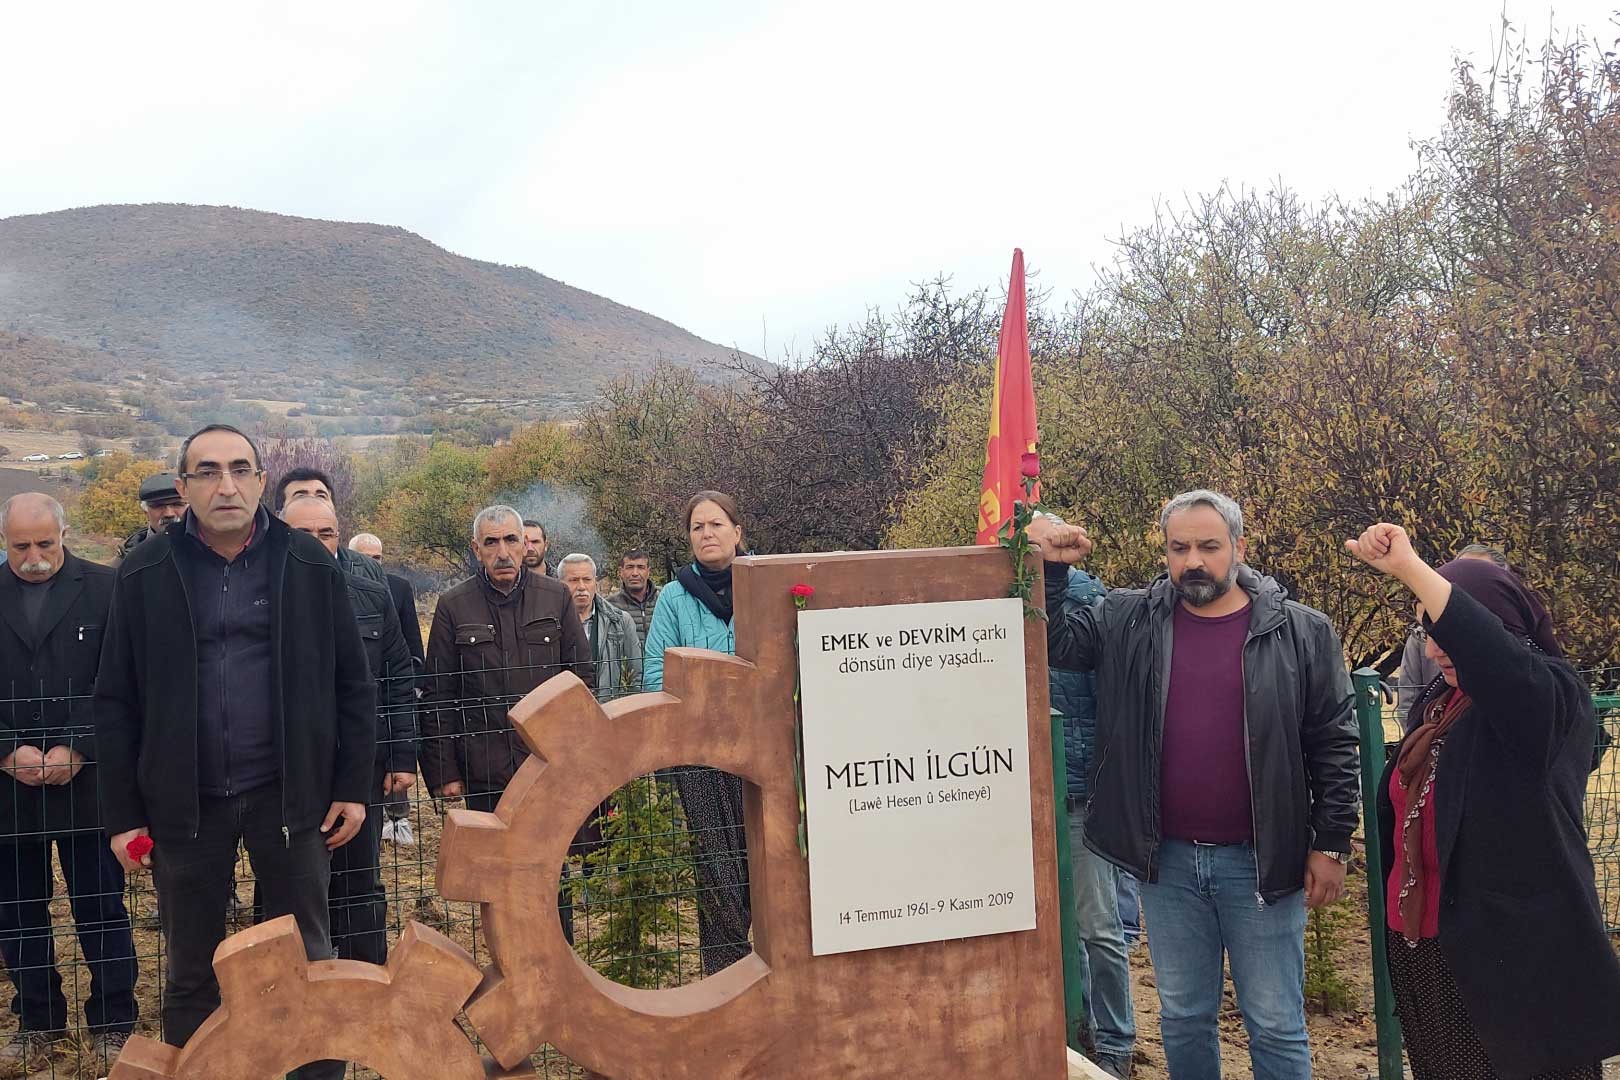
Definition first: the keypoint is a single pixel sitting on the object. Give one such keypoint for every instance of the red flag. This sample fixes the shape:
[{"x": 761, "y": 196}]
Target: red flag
[{"x": 1012, "y": 414}]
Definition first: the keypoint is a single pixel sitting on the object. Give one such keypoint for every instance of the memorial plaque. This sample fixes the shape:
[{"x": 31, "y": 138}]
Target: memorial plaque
[{"x": 917, "y": 773}]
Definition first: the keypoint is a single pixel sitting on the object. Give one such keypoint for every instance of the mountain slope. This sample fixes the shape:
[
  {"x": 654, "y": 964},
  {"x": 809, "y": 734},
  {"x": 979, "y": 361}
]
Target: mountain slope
[{"x": 204, "y": 291}]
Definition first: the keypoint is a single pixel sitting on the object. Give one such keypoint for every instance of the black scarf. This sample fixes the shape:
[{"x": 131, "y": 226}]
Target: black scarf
[{"x": 711, "y": 587}]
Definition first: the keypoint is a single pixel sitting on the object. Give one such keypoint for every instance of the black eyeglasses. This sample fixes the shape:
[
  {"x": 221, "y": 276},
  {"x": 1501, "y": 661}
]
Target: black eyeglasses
[{"x": 241, "y": 474}]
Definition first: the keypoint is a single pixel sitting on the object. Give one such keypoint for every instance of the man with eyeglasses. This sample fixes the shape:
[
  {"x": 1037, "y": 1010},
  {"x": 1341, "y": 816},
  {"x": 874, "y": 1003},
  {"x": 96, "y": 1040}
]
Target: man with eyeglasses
[
  {"x": 306, "y": 480},
  {"x": 357, "y": 900},
  {"x": 233, "y": 705}
]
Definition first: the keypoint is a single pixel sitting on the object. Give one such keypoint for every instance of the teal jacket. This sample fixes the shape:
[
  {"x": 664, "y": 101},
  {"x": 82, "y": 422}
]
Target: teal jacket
[{"x": 680, "y": 620}]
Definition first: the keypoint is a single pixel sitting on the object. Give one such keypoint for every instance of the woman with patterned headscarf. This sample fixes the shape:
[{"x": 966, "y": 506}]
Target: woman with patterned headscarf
[{"x": 1497, "y": 949}]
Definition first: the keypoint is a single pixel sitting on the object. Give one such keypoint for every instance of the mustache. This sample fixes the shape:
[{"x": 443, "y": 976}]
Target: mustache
[
  {"x": 504, "y": 563},
  {"x": 40, "y": 567}
]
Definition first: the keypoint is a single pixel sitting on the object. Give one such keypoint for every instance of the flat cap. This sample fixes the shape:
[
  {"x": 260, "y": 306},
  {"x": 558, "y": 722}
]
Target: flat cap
[{"x": 159, "y": 489}]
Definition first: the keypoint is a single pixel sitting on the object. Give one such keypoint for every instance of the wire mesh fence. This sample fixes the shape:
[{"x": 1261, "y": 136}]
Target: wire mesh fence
[
  {"x": 654, "y": 894},
  {"x": 85, "y": 946}
]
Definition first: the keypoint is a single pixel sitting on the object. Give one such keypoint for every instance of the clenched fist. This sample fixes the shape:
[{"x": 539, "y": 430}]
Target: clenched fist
[
  {"x": 1059, "y": 541},
  {"x": 1384, "y": 547}
]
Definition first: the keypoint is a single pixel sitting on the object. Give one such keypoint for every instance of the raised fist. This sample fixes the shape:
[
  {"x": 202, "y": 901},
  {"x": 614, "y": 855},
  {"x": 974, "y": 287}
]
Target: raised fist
[
  {"x": 1058, "y": 541},
  {"x": 1384, "y": 547}
]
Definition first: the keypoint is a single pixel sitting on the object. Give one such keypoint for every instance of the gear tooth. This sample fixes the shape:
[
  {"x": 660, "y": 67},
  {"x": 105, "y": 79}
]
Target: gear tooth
[
  {"x": 490, "y": 1012},
  {"x": 431, "y": 964},
  {"x": 678, "y": 672},
  {"x": 563, "y": 694},
  {"x": 471, "y": 850},
  {"x": 730, "y": 676},
  {"x": 494, "y": 1070},
  {"x": 145, "y": 1059},
  {"x": 258, "y": 959}
]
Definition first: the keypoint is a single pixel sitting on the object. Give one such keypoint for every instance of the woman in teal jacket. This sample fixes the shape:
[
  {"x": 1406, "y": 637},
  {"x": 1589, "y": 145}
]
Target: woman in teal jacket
[{"x": 694, "y": 611}]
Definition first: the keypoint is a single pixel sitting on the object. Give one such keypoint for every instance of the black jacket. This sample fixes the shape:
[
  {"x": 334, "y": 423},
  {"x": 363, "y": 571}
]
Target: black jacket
[
  {"x": 405, "y": 604},
  {"x": 485, "y": 652},
  {"x": 1298, "y": 724},
  {"x": 47, "y": 681},
  {"x": 1520, "y": 922},
  {"x": 133, "y": 541},
  {"x": 391, "y": 665},
  {"x": 364, "y": 566},
  {"x": 324, "y": 702}
]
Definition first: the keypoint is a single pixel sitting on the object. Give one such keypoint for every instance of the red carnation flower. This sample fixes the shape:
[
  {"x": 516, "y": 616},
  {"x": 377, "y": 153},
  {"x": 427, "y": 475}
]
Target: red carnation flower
[
  {"x": 803, "y": 592},
  {"x": 139, "y": 848},
  {"x": 1030, "y": 466}
]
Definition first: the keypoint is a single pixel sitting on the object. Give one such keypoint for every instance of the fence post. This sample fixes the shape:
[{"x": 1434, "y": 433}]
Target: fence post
[
  {"x": 1074, "y": 988},
  {"x": 1370, "y": 721}
]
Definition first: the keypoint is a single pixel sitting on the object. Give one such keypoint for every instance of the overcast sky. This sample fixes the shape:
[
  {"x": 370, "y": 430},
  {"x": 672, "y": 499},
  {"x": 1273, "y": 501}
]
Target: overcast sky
[{"x": 751, "y": 171}]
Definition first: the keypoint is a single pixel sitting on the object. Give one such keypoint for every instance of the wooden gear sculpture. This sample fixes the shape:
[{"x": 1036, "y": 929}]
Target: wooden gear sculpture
[
  {"x": 538, "y": 990},
  {"x": 278, "y": 1010},
  {"x": 979, "y": 1006}
]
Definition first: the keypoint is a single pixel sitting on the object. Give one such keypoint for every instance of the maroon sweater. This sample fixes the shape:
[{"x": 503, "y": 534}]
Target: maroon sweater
[{"x": 1205, "y": 774}]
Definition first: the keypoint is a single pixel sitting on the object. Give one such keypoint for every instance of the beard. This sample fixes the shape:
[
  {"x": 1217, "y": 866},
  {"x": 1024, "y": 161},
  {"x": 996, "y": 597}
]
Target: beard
[
  {"x": 1200, "y": 589},
  {"x": 534, "y": 562}
]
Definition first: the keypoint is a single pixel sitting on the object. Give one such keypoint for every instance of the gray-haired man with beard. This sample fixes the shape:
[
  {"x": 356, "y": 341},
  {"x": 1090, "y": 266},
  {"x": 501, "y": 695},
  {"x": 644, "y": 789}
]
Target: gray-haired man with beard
[{"x": 1226, "y": 776}]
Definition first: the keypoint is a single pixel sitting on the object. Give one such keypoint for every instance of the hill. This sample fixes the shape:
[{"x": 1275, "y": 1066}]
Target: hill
[{"x": 266, "y": 306}]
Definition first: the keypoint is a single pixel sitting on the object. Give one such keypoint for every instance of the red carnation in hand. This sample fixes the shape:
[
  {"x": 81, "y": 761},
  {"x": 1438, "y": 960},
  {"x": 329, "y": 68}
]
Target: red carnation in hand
[
  {"x": 139, "y": 848},
  {"x": 1030, "y": 466},
  {"x": 803, "y": 592}
]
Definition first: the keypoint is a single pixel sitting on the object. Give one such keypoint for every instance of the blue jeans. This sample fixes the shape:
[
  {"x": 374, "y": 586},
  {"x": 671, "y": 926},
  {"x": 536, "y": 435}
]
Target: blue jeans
[
  {"x": 1205, "y": 903},
  {"x": 1129, "y": 891},
  {"x": 1104, "y": 964}
]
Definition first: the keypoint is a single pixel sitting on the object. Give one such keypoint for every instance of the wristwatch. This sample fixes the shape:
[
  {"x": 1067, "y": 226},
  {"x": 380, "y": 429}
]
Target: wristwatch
[{"x": 1342, "y": 857}]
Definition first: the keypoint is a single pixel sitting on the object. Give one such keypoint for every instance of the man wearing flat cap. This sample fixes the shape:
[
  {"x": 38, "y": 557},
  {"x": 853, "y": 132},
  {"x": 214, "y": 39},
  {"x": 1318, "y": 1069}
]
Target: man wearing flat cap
[{"x": 162, "y": 503}]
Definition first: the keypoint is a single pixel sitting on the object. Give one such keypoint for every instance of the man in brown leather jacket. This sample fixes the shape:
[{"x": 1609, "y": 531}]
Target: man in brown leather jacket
[{"x": 495, "y": 637}]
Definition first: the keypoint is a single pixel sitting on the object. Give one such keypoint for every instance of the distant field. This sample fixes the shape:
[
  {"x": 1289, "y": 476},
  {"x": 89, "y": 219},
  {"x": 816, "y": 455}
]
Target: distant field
[
  {"x": 273, "y": 407},
  {"x": 22, "y": 442},
  {"x": 16, "y": 481},
  {"x": 366, "y": 442}
]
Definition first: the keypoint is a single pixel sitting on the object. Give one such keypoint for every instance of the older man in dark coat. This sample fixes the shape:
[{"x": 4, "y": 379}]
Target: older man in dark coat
[{"x": 53, "y": 606}]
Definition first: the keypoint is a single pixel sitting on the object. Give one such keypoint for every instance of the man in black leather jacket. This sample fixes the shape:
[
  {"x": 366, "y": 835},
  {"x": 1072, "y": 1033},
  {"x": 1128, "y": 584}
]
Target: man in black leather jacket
[
  {"x": 1225, "y": 776},
  {"x": 356, "y": 899}
]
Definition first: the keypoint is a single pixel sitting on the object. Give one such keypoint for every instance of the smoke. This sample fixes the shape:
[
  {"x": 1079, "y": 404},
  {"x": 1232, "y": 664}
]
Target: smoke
[{"x": 565, "y": 516}]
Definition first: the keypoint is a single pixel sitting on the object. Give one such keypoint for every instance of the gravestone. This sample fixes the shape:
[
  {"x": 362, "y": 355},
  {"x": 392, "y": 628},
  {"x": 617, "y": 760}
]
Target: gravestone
[{"x": 984, "y": 1005}]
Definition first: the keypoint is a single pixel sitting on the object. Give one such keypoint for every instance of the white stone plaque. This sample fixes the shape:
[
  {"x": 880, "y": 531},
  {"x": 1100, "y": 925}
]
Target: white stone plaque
[{"x": 917, "y": 773}]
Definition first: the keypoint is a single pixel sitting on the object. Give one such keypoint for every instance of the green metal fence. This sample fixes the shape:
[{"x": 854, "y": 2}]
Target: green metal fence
[{"x": 1369, "y": 691}]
